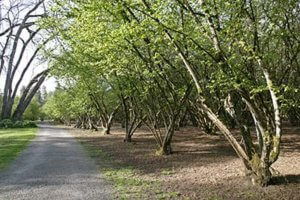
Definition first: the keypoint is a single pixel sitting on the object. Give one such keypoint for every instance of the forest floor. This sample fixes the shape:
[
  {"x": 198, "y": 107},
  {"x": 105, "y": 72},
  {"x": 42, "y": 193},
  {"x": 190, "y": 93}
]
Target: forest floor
[{"x": 201, "y": 167}]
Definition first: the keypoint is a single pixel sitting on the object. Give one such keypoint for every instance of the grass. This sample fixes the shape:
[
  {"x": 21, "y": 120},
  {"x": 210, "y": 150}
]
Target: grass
[
  {"x": 125, "y": 179},
  {"x": 12, "y": 142},
  {"x": 168, "y": 172}
]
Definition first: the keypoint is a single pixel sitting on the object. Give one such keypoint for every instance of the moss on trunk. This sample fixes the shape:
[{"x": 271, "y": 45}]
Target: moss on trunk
[
  {"x": 259, "y": 172},
  {"x": 164, "y": 150}
]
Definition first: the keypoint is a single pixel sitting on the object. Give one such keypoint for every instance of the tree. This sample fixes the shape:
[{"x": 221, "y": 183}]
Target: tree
[
  {"x": 19, "y": 32},
  {"x": 225, "y": 61},
  {"x": 33, "y": 112},
  {"x": 44, "y": 95}
]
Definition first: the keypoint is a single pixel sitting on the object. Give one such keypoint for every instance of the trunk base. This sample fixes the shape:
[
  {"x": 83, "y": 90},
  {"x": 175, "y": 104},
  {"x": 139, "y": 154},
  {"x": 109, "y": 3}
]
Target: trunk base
[
  {"x": 262, "y": 177},
  {"x": 163, "y": 151},
  {"x": 105, "y": 131},
  {"x": 127, "y": 139}
]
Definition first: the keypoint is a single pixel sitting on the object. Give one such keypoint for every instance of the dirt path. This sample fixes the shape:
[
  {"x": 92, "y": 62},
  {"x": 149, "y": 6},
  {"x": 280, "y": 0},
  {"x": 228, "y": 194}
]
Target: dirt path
[{"x": 54, "y": 166}]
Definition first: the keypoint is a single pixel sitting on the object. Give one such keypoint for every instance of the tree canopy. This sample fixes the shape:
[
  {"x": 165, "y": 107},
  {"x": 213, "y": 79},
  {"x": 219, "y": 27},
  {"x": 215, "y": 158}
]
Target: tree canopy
[{"x": 166, "y": 64}]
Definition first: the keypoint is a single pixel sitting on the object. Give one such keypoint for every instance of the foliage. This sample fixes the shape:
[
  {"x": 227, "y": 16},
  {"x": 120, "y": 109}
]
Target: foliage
[
  {"x": 7, "y": 123},
  {"x": 33, "y": 111},
  {"x": 58, "y": 106},
  {"x": 223, "y": 64}
]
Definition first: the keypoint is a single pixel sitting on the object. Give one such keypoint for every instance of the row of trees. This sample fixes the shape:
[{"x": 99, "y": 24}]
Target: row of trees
[{"x": 215, "y": 64}]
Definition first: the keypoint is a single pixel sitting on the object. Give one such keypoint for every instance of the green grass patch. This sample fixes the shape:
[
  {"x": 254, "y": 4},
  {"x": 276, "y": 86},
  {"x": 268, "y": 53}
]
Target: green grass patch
[
  {"x": 125, "y": 179},
  {"x": 12, "y": 142},
  {"x": 168, "y": 172}
]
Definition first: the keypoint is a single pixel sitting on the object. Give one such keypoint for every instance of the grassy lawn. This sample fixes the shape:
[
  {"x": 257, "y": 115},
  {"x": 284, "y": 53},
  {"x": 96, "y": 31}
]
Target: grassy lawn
[{"x": 12, "y": 142}]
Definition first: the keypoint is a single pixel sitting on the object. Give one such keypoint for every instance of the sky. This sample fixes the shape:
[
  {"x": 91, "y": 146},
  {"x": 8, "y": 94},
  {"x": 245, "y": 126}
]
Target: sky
[{"x": 50, "y": 84}]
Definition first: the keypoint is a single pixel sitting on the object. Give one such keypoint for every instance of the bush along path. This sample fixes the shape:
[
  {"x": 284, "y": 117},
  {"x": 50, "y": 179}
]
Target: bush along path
[{"x": 7, "y": 123}]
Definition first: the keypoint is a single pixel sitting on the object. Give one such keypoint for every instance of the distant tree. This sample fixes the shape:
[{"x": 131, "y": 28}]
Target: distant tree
[
  {"x": 39, "y": 97},
  {"x": 58, "y": 107},
  {"x": 44, "y": 94},
  {"x": 33, "y": 112}
]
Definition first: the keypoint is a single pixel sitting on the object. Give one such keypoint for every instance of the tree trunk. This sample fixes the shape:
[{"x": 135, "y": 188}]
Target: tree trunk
[
  {"x": 164, "y": 150},
  {"x": 258, "y": 172},
  {"x": 109, "y": 121},
  {"x": 6, "y": 108},
  {"x": 13, "y": 62},
  {"x": 106, "y": 129},
  {"x": 126, "y": 120},
  {"x": 28, "y": 94},
  {"x": 193, "y": 119},
  {"x": 128, "y": 138}
]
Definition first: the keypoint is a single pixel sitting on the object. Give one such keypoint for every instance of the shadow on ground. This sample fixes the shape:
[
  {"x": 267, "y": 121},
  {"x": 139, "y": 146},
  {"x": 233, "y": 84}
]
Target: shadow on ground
[
  {"x": 286, "y": 179},
  {"x": 201, "y": 166}
]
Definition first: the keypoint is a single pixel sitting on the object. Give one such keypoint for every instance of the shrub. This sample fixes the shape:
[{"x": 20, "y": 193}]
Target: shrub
[
  {"x": 7, "y": 123},
  {"x": 18, "y": 124},
  {"x": 29, "y": 124}
]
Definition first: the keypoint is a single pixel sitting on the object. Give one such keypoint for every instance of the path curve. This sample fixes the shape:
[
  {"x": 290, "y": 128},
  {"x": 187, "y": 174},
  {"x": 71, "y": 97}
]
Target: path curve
[{"x": 54, "y": 166}]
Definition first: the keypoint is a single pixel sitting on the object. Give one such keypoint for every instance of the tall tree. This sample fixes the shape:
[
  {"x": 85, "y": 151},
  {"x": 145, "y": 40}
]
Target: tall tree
[{"x": 20, "y": 34}]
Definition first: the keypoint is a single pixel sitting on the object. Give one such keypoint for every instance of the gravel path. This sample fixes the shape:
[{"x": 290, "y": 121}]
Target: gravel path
[{"x": 53, "y": 167}]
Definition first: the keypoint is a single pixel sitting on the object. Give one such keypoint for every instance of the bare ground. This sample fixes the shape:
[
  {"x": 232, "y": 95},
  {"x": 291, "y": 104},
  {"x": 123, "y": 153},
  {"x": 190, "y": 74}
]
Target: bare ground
[{"x": 202, "y": 166}]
